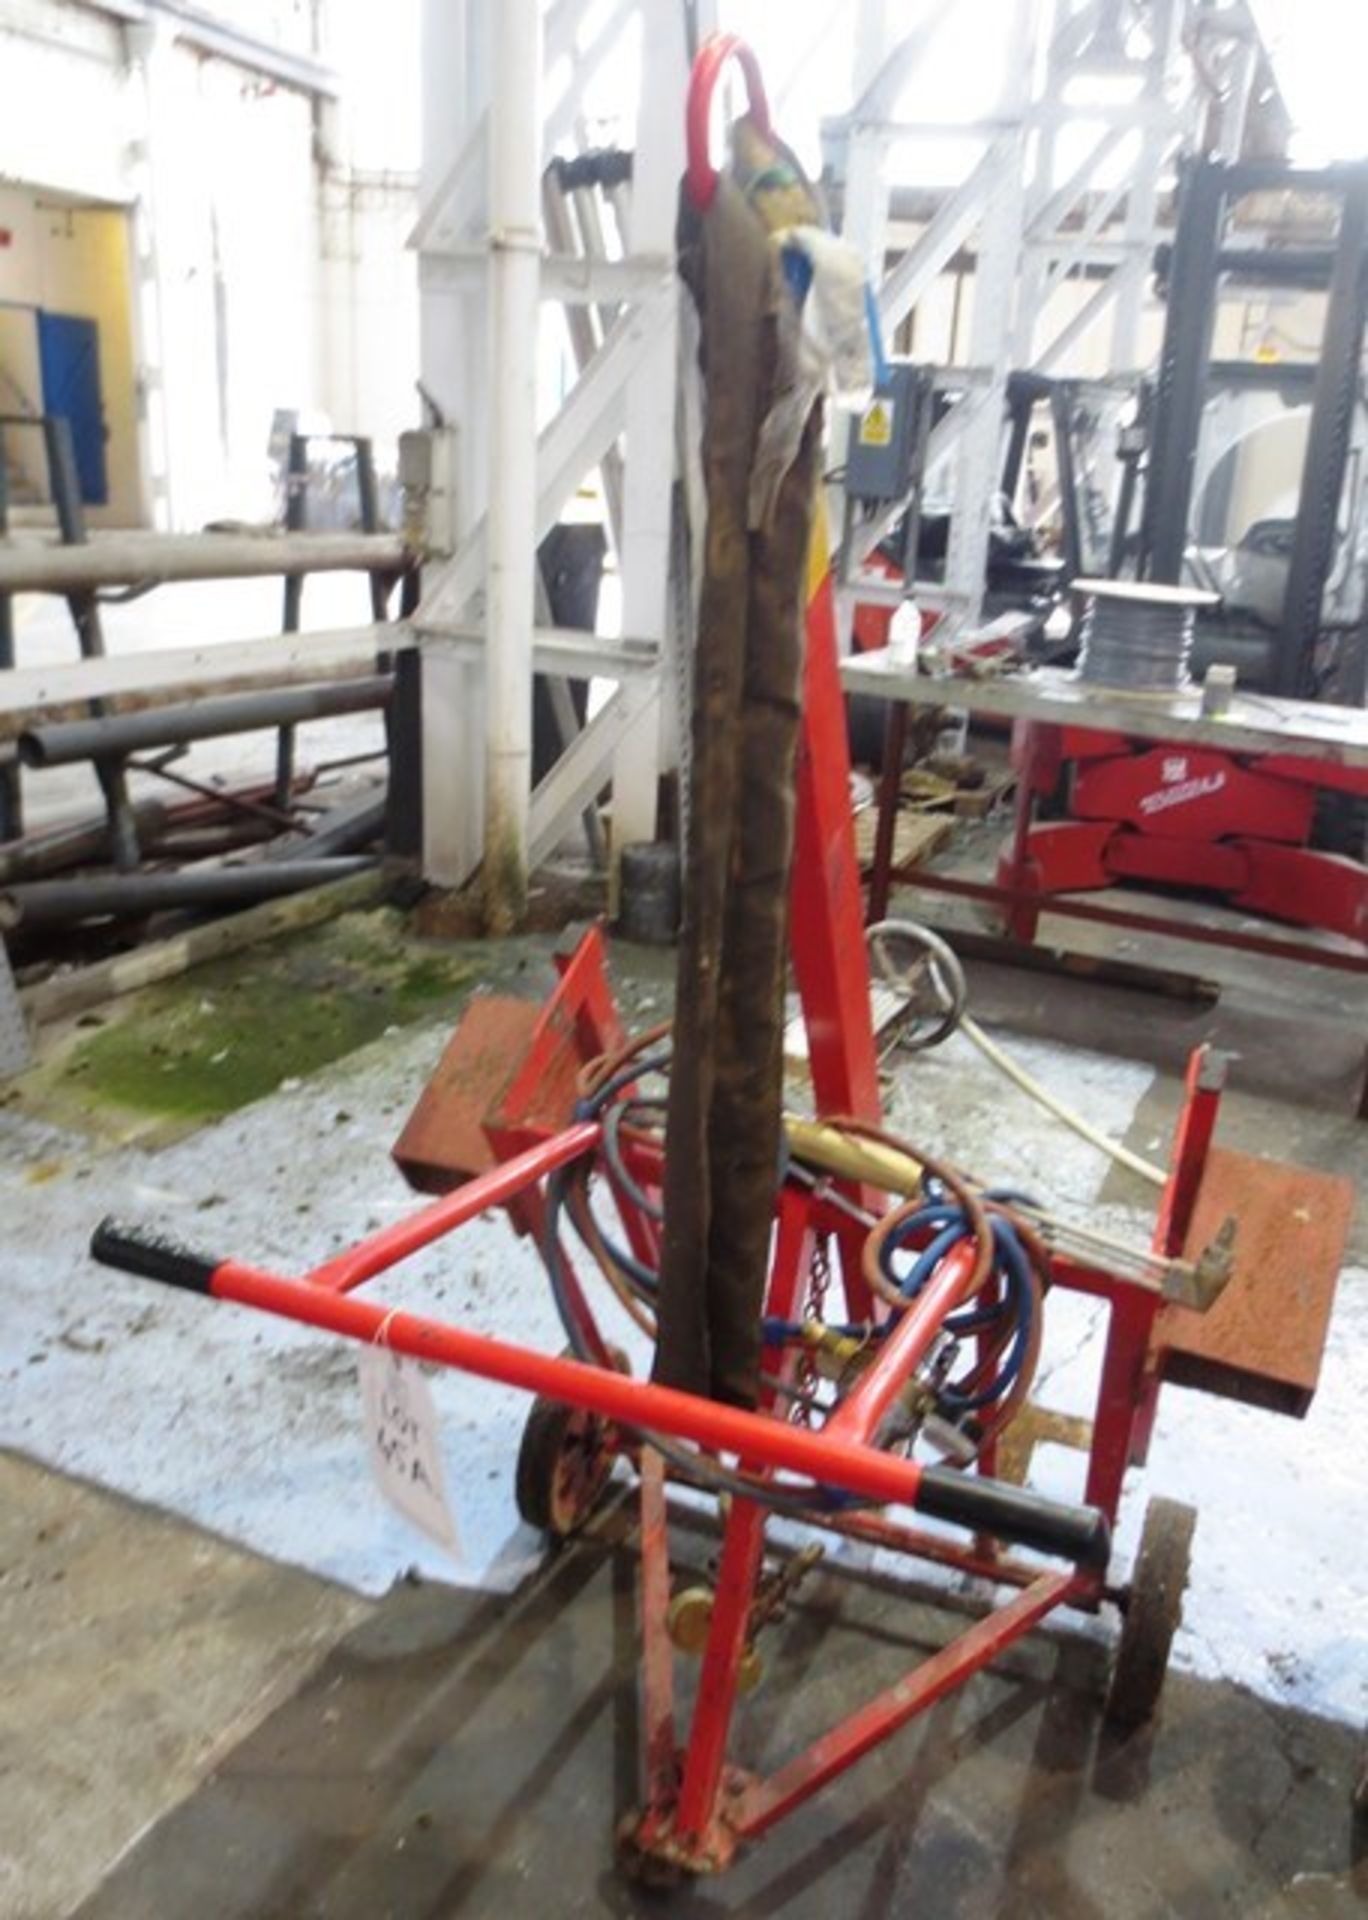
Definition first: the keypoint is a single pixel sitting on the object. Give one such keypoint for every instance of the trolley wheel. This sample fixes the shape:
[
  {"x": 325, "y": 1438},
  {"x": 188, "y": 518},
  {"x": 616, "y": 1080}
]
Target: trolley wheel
[
  {"x": 1153, "y": 1610},
  {"x": 564, "y": 1461}
]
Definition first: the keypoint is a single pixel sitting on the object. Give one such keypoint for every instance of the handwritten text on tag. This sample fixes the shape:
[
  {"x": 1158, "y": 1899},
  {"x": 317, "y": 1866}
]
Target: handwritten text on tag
[{"x": 402, "y": 1440}]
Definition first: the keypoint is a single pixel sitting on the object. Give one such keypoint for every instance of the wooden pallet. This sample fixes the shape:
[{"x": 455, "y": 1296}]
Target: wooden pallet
[{"x": 916, "y": 837}]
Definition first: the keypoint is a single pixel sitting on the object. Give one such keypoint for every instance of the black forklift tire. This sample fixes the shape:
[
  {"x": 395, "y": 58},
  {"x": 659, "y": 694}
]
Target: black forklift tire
[{"x": 1152, "y": 1613}]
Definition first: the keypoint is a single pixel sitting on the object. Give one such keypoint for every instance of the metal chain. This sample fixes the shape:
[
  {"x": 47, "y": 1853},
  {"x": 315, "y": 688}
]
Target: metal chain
[
  {"x": 806, "y": 1377},
  {"x": 819, "y": 1280}
]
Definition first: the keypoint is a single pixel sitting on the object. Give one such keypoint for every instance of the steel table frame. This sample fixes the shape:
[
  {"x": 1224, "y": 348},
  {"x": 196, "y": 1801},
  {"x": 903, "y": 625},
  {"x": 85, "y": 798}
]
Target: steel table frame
[{"x": 1045, "y": 702}]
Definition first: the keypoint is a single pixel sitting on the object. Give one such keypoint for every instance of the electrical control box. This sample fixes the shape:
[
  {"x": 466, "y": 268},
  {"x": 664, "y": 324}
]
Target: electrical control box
[{"x": 883, "y": 438}]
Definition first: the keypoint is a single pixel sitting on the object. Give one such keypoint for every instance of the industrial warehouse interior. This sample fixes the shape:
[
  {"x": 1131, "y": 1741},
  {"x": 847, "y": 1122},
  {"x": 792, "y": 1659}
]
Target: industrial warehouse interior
[{"x": 683, "y": 959}]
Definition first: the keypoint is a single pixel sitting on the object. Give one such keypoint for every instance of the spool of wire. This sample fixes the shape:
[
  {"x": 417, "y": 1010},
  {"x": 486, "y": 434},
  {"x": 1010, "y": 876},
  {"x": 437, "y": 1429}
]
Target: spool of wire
[{"x": 1136, "y": 634}]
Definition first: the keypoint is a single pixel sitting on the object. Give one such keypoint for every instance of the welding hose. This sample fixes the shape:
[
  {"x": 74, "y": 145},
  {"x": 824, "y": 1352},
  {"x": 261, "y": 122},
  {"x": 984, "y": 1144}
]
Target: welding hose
[
  {"x": 1007, "y": 1328},
  {"x": 613, "y": 1122},
  {"x": 945, "y": 1214},
  {"x": 629, "y": 1292},
  {"x": 600, "y": 1081},
  {"x": 634, "y": 1284},
  {"x": 1016, "y": 1321},
  {"x": 692, "y": 1465}
]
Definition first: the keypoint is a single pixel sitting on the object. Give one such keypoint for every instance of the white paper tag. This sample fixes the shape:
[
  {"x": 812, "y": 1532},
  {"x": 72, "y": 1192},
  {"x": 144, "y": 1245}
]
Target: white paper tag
[{"x": 400, "y": 1420}]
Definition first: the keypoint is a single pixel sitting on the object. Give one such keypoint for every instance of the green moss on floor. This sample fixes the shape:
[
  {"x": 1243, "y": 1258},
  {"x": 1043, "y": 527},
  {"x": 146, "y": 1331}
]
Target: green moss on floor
[{"x": 230, "y": 1032}]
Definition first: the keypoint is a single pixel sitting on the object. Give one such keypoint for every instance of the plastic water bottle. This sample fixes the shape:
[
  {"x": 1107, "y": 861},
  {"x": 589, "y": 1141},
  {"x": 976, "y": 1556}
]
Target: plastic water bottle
[{"x": 904, "y": 635}]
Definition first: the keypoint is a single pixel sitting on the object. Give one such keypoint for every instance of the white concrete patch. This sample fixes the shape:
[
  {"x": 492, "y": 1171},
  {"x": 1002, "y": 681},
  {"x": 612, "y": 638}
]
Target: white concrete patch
[
  {"x": 1279, "y": 1598},
  {"x": 246, "y": 1424},
  {"x": 251, "y": 1427},
  {"x": 1279, "y": 1594}
]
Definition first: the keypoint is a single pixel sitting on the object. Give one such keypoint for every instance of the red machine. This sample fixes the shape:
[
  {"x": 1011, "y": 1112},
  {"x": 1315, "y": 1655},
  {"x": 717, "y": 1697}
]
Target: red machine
[
  {"x": 904, "y": 1306},
  {"x": 1182, "y": 816}
]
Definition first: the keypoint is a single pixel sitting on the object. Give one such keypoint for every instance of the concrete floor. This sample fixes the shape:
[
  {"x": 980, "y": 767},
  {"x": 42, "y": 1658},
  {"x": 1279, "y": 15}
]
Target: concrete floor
[
  {"x": 187, "y": 1728},
  {"x": 459, "y": 1755},
  {"x": 134, "y": 1653}
]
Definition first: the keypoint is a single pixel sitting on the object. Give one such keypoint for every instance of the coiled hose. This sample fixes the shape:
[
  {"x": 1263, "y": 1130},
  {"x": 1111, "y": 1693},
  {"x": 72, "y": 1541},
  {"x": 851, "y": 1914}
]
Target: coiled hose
[{"x": 998, "y": 1306}]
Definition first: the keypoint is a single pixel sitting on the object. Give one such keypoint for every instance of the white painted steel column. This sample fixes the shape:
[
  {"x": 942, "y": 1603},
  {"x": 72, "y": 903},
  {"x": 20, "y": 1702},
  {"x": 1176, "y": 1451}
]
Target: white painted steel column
[
  {"x": 148, "y": 44},
  {"x": 991, "y": 334},
  {"x": 514, "y": 298},
  {"x": 454, "y": 354},
  {"x": 1041, "y": 210},
  {"x": 1142, "y": 203},
  {"x": 651, "y": 743},
  {"x": 864, "y": 220}
]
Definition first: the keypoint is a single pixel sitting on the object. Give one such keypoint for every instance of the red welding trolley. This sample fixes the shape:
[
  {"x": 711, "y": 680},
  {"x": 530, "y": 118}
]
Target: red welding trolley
[{"x": 902, "y": 1320}]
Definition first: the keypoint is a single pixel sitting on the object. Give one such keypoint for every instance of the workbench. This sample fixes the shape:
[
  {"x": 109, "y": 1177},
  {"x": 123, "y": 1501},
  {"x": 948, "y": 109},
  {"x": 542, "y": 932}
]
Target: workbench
[
  {"x": 1043, "y": 703},
  {"x": 1254, "y": 723}
]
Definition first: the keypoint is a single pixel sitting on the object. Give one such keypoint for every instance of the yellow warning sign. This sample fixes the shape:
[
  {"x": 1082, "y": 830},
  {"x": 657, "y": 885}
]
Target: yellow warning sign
[{"x": 876, "y": 424}]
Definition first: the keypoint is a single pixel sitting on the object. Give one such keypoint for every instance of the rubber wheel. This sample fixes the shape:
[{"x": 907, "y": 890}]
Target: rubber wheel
[
  {"x": 1152, "y": 1613},
  {"x": 565, "y": 1459}
]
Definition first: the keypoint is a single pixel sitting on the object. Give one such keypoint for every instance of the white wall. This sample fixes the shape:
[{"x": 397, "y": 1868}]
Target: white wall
[
  {"x": 237, "y": 235},
  {"x": 283, "y": 276},
  {"x": 64, "y": 123}
]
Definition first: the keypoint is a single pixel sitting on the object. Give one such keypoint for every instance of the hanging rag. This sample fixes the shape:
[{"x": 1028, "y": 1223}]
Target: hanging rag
[{"x": 761, "y": 453}]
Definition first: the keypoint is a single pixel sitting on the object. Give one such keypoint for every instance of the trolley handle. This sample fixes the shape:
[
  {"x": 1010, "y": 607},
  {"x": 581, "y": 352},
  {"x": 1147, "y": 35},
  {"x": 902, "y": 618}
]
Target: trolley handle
[
  {"x": 152, "y": 1255},
  {"x": 713, "y": 55},
  {"x": 1080, "y": 1534}
]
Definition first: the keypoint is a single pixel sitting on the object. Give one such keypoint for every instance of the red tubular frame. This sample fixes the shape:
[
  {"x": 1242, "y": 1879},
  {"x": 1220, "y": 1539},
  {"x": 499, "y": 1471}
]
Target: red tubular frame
[
  {"x": 632, "y": 1403},
  {"x": 861, "y": 1413},
  {"x": 769, "y": 1800},
  {"x": 495, "y": 1189},
  {"x": 695, "y": 1810}
]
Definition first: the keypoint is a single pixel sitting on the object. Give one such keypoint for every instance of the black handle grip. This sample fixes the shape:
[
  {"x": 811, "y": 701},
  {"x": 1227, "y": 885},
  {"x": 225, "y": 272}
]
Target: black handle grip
[
  {"x": 1080, "y": 1534},
  {"x": 152, "y": 1255}
]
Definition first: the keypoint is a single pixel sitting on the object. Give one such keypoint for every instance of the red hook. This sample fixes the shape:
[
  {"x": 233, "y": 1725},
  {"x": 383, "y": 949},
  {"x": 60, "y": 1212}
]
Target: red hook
[{"x": 713, "y": 55}]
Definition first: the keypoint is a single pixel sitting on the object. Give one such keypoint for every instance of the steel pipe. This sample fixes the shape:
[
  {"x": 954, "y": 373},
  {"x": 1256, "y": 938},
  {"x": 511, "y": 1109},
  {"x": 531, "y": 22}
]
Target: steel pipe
[
  {"x": 156, "y": 560},
  {"x": 206, "y": 843},
  {"x": 40, "y": 854},
  {"x": 343, "y": 830},
  {"x": 58, "y": 903},
  {"x": 69, "y": 741},
  {"x": 66, "y": 994}
]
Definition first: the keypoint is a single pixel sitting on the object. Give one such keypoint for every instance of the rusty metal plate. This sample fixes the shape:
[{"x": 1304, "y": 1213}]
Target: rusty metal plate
[
  {"x": 444, "y": 1142},
  {"x": 1263, "y": 1340}
]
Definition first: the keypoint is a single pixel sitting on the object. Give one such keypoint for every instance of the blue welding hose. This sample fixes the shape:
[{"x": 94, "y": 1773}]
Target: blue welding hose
[
  {"x": 949, "y": 1225},
  {"x": 617, "y": 1165},
  {"x": 911, "y": 1248}
]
